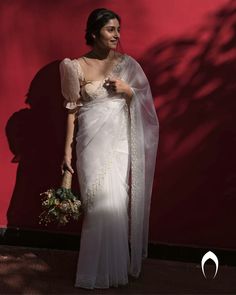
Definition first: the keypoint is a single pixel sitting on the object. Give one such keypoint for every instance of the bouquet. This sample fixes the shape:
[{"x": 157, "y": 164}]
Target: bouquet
[{"x": 60, "y": 205}]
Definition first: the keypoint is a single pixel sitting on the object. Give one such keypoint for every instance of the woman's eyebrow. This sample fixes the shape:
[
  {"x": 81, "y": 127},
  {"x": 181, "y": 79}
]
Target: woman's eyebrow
[{"x": 112, "y": 27}]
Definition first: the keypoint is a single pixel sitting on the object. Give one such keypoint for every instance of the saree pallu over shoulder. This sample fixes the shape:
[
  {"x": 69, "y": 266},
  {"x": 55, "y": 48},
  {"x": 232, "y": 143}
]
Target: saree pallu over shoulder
[{"x": 144, "y": 142}]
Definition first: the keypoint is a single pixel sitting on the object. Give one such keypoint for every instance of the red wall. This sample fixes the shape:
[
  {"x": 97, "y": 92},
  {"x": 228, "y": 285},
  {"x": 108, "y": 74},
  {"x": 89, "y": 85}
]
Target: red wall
[{"x": 187, "y": 49}]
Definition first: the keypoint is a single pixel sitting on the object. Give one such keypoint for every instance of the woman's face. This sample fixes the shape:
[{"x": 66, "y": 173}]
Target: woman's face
[{"x": 109, "y": 35}]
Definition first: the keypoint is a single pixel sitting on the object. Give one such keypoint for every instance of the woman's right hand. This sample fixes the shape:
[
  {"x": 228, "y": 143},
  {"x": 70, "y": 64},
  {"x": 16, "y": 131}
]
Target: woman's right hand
[{"x": 66, "y": 165}]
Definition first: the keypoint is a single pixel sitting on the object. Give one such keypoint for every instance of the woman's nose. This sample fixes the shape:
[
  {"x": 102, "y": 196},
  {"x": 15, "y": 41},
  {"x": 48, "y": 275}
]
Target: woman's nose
[{"x": 117, "y": 34}]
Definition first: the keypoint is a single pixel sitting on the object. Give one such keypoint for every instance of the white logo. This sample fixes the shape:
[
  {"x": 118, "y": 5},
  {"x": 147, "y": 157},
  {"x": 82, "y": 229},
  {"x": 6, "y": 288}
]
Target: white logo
[{"x": 213, "y": 257}]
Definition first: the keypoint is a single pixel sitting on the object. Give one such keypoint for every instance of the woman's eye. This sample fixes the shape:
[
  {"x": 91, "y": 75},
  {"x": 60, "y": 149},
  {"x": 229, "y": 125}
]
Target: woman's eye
[{"x": 110, "y": 30}]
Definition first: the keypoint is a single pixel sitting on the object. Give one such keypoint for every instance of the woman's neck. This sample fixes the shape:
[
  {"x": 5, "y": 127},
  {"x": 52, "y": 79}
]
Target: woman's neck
[{"x": 101, "y": 53}]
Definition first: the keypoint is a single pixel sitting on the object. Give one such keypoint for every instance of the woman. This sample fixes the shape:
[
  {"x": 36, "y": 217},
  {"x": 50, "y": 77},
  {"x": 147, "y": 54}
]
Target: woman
[{"x": 116, "y": 146}]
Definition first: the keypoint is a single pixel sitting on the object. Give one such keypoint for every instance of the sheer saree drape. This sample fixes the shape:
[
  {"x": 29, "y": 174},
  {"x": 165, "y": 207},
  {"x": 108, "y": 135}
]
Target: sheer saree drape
[
  {"x": 144, "y": 141},
  {"x": 102, "y": 120}
]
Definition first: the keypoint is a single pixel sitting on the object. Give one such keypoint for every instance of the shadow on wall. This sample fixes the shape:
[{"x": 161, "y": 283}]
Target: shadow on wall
[
  {"x": 194, "y": 80},
  {"x": 194, "y": 190},
  {"x": 36, "y": 137}
]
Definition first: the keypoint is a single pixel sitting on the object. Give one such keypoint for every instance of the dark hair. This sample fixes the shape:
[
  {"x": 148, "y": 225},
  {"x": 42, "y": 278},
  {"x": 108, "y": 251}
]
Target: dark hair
[{"x": 96, "y": 20}]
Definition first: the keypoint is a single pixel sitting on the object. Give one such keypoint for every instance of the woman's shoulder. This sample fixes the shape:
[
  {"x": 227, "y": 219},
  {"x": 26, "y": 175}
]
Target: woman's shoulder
[
  {"x": 72, "y": 66},
  {"x": 67, "y": 62},
  {"x": 130, "y": 58},
  {"x": 132, "y": 62},
  {"x": 122, "y": 56},
  {"x": 70, "y": 63}
]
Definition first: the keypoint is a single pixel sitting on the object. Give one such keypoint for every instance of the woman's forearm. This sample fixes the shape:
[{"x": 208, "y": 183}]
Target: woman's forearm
[{"x": 69, "y": 134}]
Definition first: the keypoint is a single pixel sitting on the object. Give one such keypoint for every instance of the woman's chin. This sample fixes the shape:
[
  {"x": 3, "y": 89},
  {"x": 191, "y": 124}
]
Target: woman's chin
[{"x": 113, "y": 46}]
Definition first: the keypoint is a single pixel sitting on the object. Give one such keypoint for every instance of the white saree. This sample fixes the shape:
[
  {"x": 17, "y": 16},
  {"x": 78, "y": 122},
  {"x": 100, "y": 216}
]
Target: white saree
[{"x": 116, "y": 150}]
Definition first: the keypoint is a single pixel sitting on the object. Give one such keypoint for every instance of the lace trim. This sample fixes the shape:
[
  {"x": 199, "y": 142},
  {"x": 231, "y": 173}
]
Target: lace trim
[
  {"x": 136, "y": 201},
  {"x": 117, "y": 68}
]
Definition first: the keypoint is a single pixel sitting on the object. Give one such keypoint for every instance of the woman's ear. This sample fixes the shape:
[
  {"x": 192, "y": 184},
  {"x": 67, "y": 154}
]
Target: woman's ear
[{"x": 94, "y": 36}]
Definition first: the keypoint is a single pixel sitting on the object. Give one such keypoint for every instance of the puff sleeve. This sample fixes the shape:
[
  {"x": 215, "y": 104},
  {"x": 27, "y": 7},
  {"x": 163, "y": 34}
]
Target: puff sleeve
[{"x": 70, "y": 85}]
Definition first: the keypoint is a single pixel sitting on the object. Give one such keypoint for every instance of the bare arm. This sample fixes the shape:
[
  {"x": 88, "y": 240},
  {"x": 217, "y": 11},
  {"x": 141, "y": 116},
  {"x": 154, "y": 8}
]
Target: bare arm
[{"x": 66, "y": 163}]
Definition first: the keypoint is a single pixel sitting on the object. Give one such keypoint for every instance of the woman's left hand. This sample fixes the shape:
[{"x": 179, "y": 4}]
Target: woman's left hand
[{"x": 118, "y": 86}]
